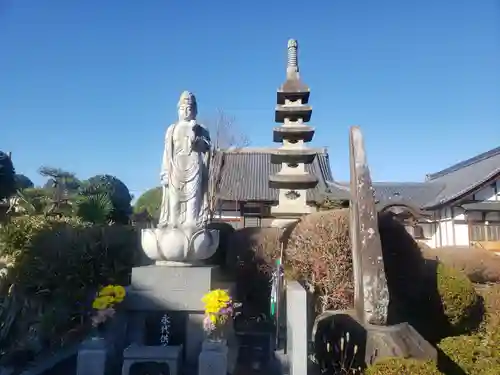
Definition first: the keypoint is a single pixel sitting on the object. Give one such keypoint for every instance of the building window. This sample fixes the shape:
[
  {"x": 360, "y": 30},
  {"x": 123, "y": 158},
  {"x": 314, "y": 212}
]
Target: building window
[
  {"x": 485, "y": 232},
  {"x": 252, "y": 209},
  {"x": 417, "y": 232}
]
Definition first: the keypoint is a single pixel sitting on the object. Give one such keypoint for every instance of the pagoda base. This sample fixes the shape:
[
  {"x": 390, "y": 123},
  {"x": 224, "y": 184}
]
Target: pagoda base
[
  {"x": 283, "y": 223},
  {"x": 291, "y": 210}
]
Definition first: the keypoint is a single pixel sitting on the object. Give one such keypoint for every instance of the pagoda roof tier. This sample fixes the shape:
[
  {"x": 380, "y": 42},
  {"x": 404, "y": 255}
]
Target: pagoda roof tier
[
  {"x": 293, "y": 132},
  {"x": 293, "y": 89},
  {"x": 293, "y": 181},
  {"x": 293, "y": 111},
  {"x": 293, "y": 155}
]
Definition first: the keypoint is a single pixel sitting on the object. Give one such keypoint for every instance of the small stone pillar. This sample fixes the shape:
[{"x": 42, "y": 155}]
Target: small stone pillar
[{"x": 92, "y": 357}]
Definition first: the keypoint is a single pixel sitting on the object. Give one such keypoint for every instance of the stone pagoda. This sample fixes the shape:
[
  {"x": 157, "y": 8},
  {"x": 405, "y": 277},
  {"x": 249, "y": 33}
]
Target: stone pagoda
[{"x": 293, "y": 112}]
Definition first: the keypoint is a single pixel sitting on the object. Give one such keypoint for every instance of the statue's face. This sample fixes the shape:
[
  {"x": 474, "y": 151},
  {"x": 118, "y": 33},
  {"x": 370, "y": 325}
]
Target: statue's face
[{"x": 186, "y": 113}]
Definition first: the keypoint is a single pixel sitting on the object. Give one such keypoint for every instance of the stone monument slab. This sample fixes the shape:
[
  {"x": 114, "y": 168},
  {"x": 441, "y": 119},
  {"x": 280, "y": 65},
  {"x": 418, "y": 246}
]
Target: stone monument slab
[{"x": 167, "y": 288}]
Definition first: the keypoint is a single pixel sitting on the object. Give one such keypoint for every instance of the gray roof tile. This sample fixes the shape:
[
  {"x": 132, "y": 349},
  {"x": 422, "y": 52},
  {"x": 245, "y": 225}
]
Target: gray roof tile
[
  {"x": 245, "y": 175},
  {"x": 414, "y": 193},
  {"x": 464, "y": 177},
  {"x": 441, "y": 187}
]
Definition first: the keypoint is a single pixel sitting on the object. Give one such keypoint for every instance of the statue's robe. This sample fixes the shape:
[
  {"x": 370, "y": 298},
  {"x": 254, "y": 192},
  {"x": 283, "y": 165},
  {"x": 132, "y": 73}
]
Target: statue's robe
[{"x": 186, "y": 159}]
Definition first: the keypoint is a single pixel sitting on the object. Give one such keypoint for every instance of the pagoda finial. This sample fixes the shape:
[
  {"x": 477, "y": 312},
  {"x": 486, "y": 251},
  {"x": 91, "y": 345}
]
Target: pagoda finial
[{"x": 292, "y": 63}]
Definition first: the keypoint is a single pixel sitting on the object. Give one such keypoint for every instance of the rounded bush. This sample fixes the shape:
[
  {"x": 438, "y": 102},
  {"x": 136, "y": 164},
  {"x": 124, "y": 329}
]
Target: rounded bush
[
  {"x": 470, "y": 353},
  {"x": 404, "y": 264},
  {"x": 55, "y": 265},
  {"x": 23, "y": 182},
  {"x": 16, "y": 236},
  {"x": 150, "y": 201},
  {"x": 458, "y": 297},
  {"x": 480, "y": 265},
  {"x": 491, "y": 302},
  {"x": 402, "y": 366},
  {"x": 319, "y": 256},
  {"x": 225, "y": 230},
  {"x": 251, "y": 257},
  {"x": 7, "y": 176},
  {"x": 117, "y": 192}
]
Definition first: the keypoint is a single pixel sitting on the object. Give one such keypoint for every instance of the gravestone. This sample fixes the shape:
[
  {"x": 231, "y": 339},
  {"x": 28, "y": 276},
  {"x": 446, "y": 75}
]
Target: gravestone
[{"x": 372, "y": 295}]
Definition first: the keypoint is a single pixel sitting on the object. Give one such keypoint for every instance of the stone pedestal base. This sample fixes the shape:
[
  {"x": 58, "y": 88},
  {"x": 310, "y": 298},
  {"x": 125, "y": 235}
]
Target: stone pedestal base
[
  {"x": 400, "y": 340},
  {"x": 166, "y": 355},
  {"x": 374, "y": 342},
  {"x": 167, "y": 288},
  {"x": 283, "y": 223},
  {"x": 213, "y": 358}
]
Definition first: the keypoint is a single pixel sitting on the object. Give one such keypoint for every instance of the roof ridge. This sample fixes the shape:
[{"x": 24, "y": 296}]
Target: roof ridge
[{"x": 466, "y": 163}]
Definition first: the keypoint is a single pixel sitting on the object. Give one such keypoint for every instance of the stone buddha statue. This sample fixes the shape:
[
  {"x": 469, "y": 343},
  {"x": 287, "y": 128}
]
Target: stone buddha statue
[{"x": 181, "y": 235}]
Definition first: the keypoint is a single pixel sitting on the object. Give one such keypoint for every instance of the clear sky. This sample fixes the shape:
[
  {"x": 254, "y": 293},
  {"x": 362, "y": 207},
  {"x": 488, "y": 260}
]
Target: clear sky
[{"x": 90, "y": 86}]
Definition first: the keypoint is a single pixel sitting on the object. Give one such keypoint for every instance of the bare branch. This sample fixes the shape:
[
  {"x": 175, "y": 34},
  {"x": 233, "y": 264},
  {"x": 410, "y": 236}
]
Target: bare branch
[{"x": 225, "y": 132}]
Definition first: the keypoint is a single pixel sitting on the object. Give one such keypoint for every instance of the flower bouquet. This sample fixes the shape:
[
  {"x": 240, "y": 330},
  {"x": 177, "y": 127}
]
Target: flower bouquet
[
  {"x": 104, "y": 304},
  {"x": 219, "y": 309}
]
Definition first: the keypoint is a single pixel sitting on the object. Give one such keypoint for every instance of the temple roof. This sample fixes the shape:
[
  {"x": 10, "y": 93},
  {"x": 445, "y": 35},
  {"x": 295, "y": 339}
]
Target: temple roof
[
  {"x": 245, "y": 175},
  {"x": 443, "y": 187}
]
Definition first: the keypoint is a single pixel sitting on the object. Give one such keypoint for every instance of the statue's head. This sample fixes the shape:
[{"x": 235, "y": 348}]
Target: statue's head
[{"x": 187, "y": 107}]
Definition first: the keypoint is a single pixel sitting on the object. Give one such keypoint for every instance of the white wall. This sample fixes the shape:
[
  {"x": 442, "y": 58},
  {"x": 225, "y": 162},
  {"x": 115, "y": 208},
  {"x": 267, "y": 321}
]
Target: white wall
[{"x": 448, "y": 227}]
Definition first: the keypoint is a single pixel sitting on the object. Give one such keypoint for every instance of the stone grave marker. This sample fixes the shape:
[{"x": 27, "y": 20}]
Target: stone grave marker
[{"x": 372, "y": 295}]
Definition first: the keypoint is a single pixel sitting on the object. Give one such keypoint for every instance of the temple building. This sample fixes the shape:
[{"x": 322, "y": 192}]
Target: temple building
[{"x": 458, "y": 206}]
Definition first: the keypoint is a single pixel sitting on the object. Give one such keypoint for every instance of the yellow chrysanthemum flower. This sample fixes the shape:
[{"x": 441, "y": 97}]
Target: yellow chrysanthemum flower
[
  {"x": 215, "y": 300},
  {"x": 106, "y": 291},
  {"x": 119, "y": 292},
  {"x": 100, "y": 303}
]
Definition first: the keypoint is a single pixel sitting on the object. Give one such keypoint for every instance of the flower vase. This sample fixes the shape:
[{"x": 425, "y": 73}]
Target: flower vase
[
  {"x": 213, "y": 357},
  {"x": 97, "y": 332}
]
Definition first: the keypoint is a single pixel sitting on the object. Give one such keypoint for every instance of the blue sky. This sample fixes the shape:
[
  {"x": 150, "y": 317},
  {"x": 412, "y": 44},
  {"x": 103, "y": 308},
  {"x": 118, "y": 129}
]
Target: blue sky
[{"x": 90, "y": 86}]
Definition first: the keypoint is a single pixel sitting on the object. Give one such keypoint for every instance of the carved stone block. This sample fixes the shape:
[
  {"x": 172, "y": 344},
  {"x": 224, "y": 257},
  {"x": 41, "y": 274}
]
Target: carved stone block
[
  {"x": 400, "y": 340},
  {"x": 163, "y": 288},
  {"x": 152, "y": 356},
  {"x": 373, "y": 342}
]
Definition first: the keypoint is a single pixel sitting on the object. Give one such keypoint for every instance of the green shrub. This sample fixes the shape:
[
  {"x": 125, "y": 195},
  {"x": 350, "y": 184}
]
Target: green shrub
[
  {"x": 226, "y": 231},
  {"x": 402, "y": 366},
  {"x": 491, "y": 302},
  {"x": 150, "y": 201},
  {"x": 471, "y": 353},
  {"x": 23, "y": 182},
  {"x": 458, "y": 298},
  {"x": 7, "y": 176},
  {"x": 18, "y": 234},
  {"x": 117, "y": 192},
  {"x": 55, "y": 267},
  {"x": 479, "y": 354}
]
